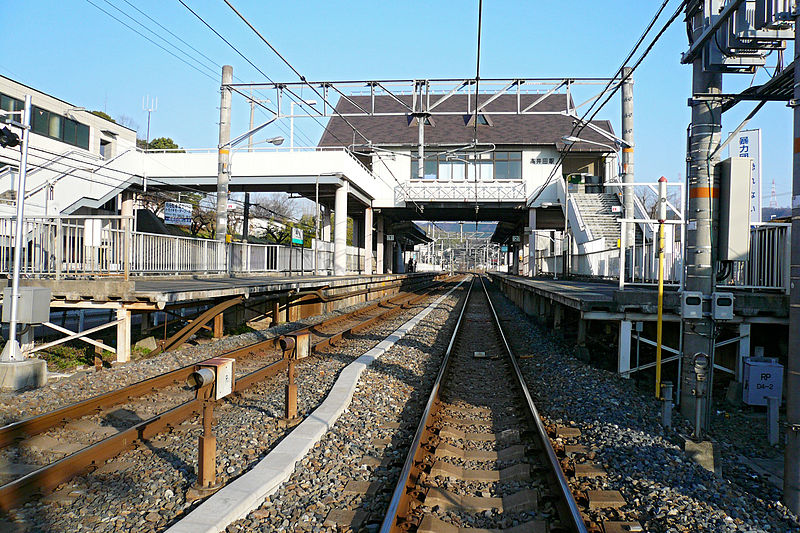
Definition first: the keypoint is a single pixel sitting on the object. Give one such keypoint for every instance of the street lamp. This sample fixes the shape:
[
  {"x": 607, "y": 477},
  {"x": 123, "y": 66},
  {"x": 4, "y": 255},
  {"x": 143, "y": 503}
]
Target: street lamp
[{"x": 291, "y": 119}]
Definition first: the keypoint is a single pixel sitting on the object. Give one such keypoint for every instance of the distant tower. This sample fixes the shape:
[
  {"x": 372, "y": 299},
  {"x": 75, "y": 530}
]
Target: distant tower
[{"x": 773, "y": 198}]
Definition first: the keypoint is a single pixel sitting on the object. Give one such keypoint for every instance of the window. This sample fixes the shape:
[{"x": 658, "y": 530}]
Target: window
[
  {"x": 507, "y": 165},
  {"x": 55, "y": 126},
  {"x": 8, "y": 103},
  {"x": 459, "y": 166}
]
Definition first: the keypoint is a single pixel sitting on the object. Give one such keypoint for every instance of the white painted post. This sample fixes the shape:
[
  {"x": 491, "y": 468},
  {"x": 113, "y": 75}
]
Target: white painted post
[
  {"x": 624, "y": 359},
  {"x": 744, "y": 349},
  {"x": 368, "y": 241},
  {"x": 340, "y": 231},
  {"x": 379, "y": 247},
  {"x": 123, "y": 335}
]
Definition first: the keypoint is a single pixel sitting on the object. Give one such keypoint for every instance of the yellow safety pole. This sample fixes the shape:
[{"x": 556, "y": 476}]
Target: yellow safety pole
[{"x": 662, "y": 216}]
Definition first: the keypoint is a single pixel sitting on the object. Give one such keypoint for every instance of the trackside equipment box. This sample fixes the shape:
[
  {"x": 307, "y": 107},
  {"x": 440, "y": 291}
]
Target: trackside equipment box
[
  {"x": 33, "y": 305},
  {"x": 762, "y": 378}
]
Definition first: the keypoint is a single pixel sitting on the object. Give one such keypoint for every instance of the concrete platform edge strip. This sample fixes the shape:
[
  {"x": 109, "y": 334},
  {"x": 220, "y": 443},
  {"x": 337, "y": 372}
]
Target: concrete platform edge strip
[{"x": 237, "y": 499}]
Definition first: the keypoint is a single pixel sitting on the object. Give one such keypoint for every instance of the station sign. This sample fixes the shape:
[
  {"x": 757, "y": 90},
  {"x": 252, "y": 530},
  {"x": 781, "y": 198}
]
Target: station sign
[
  {"x": 390, "y": 237},
  {"x": 747, "y": 143},
  {"x": 297, "y": 236},
  {"x": 504, "y": 248},
  {"x": 178, "y": 213}
]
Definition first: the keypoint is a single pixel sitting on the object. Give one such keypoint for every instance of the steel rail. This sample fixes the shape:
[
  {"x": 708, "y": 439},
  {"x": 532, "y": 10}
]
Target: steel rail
[
  {"x": 400, "y": 496},
  {"x": 48, "y": 477},
  {"x": 574, "y": 514},
  {"x": 35, "y": 425}
]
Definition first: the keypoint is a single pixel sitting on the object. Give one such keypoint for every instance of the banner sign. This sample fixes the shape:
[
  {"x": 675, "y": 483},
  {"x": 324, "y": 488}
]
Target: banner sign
[
  {"x": 297, "y": 236},
  {"x": 747, "y": 143},
  {"x": 178, "y": 214}
]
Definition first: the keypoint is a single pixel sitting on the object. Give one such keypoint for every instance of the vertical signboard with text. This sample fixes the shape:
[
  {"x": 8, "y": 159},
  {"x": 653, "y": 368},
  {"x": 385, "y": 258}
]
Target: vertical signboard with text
[{"x": 747, "y": 143}]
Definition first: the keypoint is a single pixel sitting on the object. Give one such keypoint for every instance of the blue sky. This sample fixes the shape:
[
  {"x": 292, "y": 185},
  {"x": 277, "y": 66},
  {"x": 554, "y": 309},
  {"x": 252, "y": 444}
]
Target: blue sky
[{"x": 78, "y": 53}]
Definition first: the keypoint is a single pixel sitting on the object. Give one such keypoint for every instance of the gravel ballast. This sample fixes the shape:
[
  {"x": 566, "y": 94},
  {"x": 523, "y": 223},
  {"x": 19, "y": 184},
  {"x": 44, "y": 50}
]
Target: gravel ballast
[
  {"x": 665, "y": 490},
  {"x": 356, "y": 464},
  {"x": 144, "y": 489}
]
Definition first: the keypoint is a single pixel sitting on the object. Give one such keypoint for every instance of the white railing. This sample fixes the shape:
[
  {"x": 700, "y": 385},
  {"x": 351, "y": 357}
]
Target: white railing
[
  {"x": 768, "y": 263},
  {"x": 166, "y": 254},
  {"x": 105, "y": 246},
  {"x": 461, "y": 191}
]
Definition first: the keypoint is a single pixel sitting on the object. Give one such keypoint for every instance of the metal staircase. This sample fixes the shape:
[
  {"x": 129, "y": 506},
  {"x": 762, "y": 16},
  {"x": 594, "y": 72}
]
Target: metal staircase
[{"x": 598, "y": 217}]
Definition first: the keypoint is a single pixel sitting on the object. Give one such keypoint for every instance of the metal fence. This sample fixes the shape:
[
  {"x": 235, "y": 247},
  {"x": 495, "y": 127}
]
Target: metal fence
[
  {"x": 106, "y": 246},
  {"x": 766, "y": 268}
]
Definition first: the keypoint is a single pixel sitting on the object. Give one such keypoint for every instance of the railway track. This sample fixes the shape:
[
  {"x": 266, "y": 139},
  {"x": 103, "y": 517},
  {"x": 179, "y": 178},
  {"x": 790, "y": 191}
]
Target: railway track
[
  {"x": 481, "y": 457},
  {"x": 152, "y": 406}
]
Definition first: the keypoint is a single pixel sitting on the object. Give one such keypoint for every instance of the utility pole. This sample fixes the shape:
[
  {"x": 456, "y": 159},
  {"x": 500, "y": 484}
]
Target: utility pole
[
  {"x": 224, "y": 159},
  {"x": 700, "y": 251},
  {"x": 791, "y": 473},
  {"x": 627, "y": 152}
]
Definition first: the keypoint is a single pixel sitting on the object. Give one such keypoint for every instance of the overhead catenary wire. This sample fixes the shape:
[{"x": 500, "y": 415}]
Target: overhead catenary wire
[
  {"x": 116, "y": 182},
  {"x": 320, "y": 95},
  {"x": 582, "y": 122},
  {"x": 152, "y": 41}
]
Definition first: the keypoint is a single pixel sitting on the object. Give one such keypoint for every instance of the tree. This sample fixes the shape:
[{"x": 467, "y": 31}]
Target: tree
[
  {"x": 127, "y": 121},
  {"x": 162, "y": 143},
  {"x": 103, "y": 114},
  {"x": 279, "y": 211}
]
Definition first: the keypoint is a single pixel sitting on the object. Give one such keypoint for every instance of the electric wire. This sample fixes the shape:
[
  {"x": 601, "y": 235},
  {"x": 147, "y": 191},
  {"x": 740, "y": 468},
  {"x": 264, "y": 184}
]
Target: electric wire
[
  {"x": 116, "y": 182},
  {"x": 582, "y": 121},
  {"x": 320, "y": 95},
  {"x": 152, "y": 41}
]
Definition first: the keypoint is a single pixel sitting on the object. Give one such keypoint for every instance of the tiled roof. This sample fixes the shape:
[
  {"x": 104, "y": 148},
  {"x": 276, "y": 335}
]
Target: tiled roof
[{"x": 453, "y": 129}]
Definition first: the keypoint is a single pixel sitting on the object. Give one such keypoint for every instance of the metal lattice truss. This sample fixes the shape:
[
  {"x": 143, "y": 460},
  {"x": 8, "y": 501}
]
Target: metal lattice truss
[
  {"x": 462, "y": 192},
  {"x": 428, "y": 95}
]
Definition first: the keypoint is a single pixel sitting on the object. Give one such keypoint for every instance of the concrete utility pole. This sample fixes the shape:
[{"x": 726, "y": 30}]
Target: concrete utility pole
[
  {"x": 700, "y": 251},
  {"x": 224, "y": 159},
  {"x": 627, "y": 152},
  {"x": 791, "y": 473}
]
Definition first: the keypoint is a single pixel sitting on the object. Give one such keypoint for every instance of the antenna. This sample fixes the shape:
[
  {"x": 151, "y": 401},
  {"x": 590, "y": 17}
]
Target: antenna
[{"x": 151, "y": 106}]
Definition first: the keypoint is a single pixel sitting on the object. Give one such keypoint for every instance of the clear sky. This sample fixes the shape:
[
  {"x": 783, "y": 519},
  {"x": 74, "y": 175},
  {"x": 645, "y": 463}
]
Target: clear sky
[{"x": 76, "y": 52}]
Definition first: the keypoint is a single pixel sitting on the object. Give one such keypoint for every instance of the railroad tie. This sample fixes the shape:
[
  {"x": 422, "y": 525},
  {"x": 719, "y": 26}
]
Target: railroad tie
[
  {"x": 517, "y": 472},
  {"x": 524, "y": 500},
  {"x": 512, "y": 453},
  {"x": 430, "y": 524}
]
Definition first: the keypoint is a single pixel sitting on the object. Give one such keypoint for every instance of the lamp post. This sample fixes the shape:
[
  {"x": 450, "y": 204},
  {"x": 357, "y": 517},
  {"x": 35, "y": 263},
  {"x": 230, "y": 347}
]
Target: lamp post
[{"x": 291, "y": 119}]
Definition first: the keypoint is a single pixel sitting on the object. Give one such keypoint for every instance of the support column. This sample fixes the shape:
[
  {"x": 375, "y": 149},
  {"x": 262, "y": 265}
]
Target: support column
[
  {"x": 379, "y": 247},
  {"x": 515, "y": 258},
  {"x": 791, "y": 475},
  {"x": 627, "y": 150},
  {"x": 224, "y": 158},
  {"x": 123, "y": 335},
  {"x": 700, "y": 258},
  {"x": 326, "y": 224},
  {"x": 340, "y": 231},
  {"x": 531, "y": 240},
  {"x": 624, "y": 358},
  {"x": 744, "y": 349},
  {"x": 368, "y": 241},
  {"x": 219, "y": 322}
]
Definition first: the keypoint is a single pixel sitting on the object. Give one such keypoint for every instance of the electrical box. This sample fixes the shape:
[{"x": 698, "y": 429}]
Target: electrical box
[
  {"x": 762, "y": 378},
  {"x": 223, "y": 370},
  {"x": 33, "y": 305},
  {"x": 692, "y": 304},
  {"x": 734, "y": 175},
  {"x": 722, "y": 306}
]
